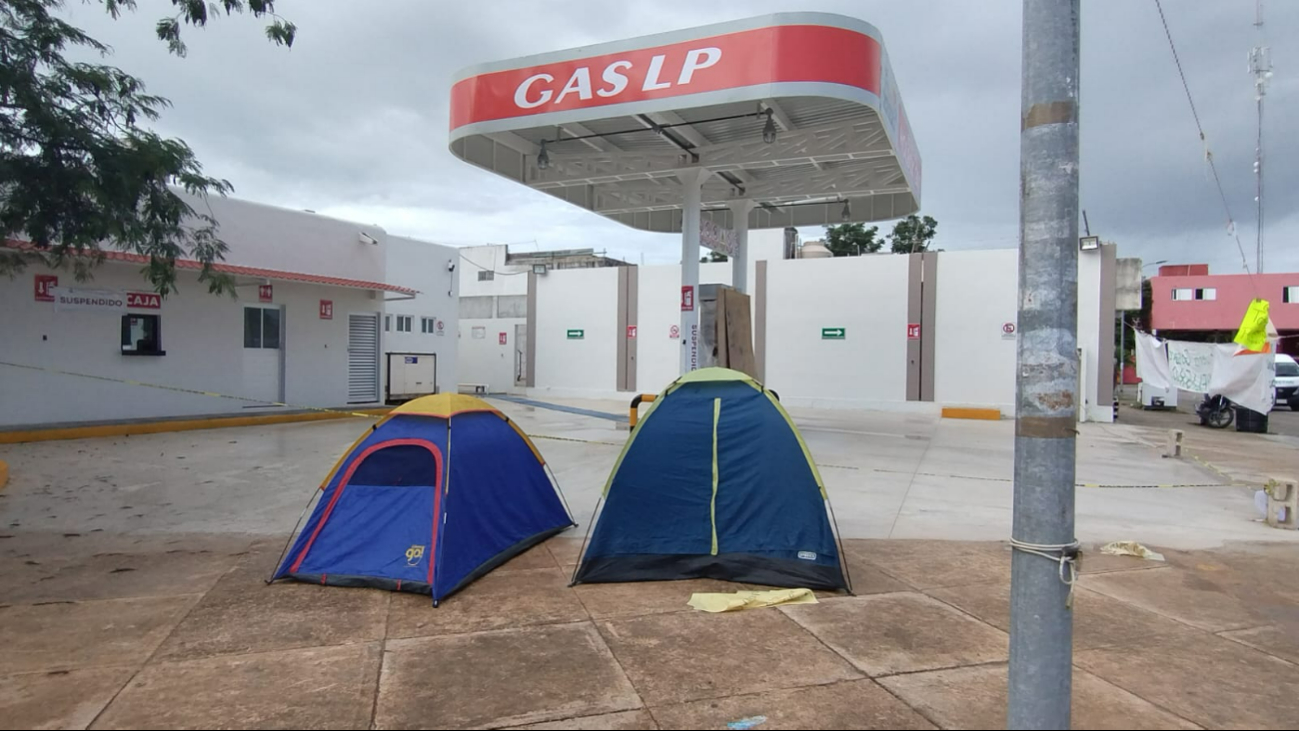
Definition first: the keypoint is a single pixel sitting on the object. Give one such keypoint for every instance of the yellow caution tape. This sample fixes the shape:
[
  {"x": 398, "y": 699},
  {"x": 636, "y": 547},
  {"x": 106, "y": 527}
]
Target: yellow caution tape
[
  {"x": 571, "y": 439},
  {"x": 361, "y": 414}
]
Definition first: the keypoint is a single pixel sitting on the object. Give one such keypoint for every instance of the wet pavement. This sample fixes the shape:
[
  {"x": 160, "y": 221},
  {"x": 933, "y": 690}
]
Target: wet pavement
[{"x": 132, "y": 595}]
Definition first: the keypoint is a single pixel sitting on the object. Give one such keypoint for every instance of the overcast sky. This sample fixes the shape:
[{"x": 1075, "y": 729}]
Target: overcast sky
[{"x": 352, "y": 122}]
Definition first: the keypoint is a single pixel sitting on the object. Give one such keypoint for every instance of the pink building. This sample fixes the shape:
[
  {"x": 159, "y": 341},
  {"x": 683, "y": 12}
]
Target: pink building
[{"x": 1188, "y": 298}]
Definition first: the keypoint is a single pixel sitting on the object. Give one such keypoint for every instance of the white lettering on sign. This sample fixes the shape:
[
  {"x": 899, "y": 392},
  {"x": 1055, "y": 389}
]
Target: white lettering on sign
[
  {"x": 579, "y": 82},
  {"x": 521, "y": 93},
  {"x": 144, "y": 300},
  {"x": 700, "y": 58},
  {"x": 652, "y": 82},
  {"x": 538, "y": 89},
  {"x": 614, "y": 77}
]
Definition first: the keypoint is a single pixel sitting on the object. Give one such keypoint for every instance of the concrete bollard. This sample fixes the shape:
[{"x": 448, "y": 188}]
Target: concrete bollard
[
  {"x": 1282, "y": 495},
  {"x": 1174, "y": 447}
]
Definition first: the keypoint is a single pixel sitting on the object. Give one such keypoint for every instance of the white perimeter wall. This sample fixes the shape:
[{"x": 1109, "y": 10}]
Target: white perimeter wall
[
  {"x": 867, "y": 295},
  {"x": 485, "y": 360},
  {"x": 422, "y": 266},
  {"x": 202, "y": 335},
  {"x": 581, "y": 299},
  {"x": 976, "y": 295}
]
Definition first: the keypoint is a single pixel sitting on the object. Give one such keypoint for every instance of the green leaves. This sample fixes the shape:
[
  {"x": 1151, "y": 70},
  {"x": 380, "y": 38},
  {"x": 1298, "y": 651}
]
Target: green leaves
[
  {"x": 852, "y": 239},
  {"x": 912, "y": 234},
  {"x": 77, "y": 170},
  {"x": 281, "y": 32},
  {"x": 197, "y": 13},
  {"x": 169, "y": 30}
]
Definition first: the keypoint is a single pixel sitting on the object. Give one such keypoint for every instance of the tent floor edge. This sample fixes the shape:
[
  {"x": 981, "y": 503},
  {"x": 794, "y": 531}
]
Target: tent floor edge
[
  {"x": 741, "y": 568},
  {"x": 362, "y": 582},
  {"x": 503, "y": 557}
]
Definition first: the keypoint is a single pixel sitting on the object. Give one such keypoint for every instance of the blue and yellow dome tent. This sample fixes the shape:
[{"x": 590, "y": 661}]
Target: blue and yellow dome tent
[
  {"x": 436, "y": 494},
  {"x": 715, "y": 482}
]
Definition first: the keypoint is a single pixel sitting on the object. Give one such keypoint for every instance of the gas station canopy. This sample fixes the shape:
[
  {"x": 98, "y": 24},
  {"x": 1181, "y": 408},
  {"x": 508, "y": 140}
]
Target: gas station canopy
[{"x": 795, "y": 114}]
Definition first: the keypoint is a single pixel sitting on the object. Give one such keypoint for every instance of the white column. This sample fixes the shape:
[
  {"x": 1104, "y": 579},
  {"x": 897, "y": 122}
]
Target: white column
[
  {"x": 740, "y": 262},
  {"x": 692, "y": 182}
]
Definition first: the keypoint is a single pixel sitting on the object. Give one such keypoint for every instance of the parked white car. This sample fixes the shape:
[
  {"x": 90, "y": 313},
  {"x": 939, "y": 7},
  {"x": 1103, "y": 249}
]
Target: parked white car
[{"x": 1287, "y": 381}]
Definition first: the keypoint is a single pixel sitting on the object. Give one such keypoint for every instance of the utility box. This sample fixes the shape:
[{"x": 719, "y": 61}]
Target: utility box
[
  {"x": 411, "y": 375},
  {"x": 1156, "y": 398},
  {"x": 725, "y": 330}
]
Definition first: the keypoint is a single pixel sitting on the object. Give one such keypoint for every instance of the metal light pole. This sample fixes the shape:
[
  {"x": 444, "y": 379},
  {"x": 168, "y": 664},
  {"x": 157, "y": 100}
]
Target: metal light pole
[{"x": 1042, "y": 567}]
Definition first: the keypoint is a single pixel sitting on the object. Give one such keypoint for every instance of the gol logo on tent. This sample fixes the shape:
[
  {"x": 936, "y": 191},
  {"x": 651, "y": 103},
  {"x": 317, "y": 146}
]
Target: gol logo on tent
[{"x": 413, "y": 555}]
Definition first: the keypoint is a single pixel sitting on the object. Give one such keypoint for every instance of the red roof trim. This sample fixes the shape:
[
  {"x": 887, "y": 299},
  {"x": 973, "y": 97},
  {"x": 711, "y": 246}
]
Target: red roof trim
[{"x": 128, "y": 258}]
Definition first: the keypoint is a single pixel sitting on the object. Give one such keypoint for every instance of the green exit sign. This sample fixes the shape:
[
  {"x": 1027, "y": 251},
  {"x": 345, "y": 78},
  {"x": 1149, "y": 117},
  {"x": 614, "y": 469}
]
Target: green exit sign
[
  {"x": 833, "y": 333},
  {"x": 576, "y": 334}
]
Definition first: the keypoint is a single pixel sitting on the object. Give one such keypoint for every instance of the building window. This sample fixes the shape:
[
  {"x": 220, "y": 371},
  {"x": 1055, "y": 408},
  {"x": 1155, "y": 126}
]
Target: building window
[
  {"x": 486, "y": 276},
  {"x": 404, "y": 323},
  {"x": 426, "y": 325},
  {"x": 1188, "y": 293},
  {"x": 387, "y": 323},
  {"x": 1290, "y": 294},
  {"x": 262, "y": 327},
  {"x": 142, "y": 335}
]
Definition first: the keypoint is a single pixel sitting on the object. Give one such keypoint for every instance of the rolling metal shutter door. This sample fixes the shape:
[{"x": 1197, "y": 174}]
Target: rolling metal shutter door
[{"x": 362, "y": 359}]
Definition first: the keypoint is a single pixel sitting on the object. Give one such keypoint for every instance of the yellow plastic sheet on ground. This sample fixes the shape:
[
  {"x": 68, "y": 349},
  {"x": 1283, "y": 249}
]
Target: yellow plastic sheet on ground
[
  {"x": 1131, "y": 548},
  {"x": 1252, "y": 334},
  {"x": 750, "y": 600}
]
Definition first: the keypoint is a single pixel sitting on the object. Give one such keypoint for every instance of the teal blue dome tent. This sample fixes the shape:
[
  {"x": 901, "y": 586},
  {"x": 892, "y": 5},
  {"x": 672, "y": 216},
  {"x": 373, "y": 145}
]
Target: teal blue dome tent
[{"x": 715, "y": 482}]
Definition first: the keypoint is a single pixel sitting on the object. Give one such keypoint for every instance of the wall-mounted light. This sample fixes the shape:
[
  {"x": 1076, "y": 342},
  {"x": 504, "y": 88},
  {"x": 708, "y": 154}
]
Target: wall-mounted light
[
  {"x": 539, "y": 269},
  {"x": 769, "y": 129},
  {"x": 1089, "y": 243},
  {"x": 543, "y": 157}
]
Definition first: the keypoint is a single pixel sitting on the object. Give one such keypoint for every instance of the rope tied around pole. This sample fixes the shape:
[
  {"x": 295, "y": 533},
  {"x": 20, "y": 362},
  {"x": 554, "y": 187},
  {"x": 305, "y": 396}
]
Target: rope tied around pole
[{"x": 1067, "y": 555}]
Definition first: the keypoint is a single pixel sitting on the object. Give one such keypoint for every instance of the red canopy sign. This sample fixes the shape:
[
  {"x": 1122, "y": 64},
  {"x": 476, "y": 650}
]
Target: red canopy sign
[{"x": 774, "y": 54}]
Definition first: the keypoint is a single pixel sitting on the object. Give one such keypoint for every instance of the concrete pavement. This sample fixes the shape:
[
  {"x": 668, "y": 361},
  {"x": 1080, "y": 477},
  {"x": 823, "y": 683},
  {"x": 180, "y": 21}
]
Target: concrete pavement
[{"x": 131, "y": 595}]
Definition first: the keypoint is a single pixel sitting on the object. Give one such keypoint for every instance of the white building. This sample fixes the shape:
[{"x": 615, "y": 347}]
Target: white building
[
  {"x": 493, "y": 319},
  {"x": 418, "y": 330},
  {"x": 305, "y": 328}
]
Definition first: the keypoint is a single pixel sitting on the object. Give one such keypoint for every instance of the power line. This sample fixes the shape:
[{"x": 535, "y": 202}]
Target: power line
[
  {"x": 490, "y": 269},
  {"x": 1208, "y": 154}
]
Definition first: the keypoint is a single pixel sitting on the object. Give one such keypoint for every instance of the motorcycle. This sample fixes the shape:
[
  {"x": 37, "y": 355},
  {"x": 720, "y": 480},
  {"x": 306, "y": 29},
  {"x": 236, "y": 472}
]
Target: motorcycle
[{"x": 1215, "y": 412}]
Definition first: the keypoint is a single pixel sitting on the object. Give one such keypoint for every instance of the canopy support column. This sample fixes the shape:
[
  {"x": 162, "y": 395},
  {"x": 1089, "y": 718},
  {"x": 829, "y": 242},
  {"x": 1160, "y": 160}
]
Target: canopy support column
[
  {"x": 692, "y": 182},
  {"x": 740, "y": 262}
]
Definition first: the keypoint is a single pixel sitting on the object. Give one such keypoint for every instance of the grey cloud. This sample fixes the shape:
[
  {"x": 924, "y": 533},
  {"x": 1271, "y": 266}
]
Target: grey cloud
[{"x": 354, "y": 118}]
